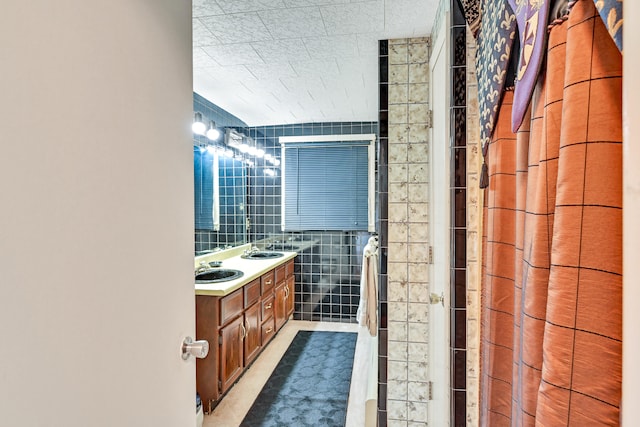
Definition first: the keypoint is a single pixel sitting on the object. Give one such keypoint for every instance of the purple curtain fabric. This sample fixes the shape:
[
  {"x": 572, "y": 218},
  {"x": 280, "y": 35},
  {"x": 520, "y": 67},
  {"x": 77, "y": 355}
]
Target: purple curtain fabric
[{"x": 532, "y": 18}]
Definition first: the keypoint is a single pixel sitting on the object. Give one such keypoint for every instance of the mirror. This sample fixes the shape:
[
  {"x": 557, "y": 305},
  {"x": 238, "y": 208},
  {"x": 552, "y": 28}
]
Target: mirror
[{"x": 220, "y": 185}]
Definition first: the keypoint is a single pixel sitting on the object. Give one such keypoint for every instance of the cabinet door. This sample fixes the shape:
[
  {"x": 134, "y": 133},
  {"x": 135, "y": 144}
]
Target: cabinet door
[
  {"x": 207, "y": 369},
  {"x": 290, "y": 295},
  {"x": 281, "y": 305},
  {"x": 231, "y": 354},
  {"x": 253, "y": 336}
]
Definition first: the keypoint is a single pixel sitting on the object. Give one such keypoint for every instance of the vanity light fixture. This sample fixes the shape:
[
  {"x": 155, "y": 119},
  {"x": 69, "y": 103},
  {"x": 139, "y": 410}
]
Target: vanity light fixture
[
  {"x": 198, "y": 125},
  {"x": 245, "y": 146},
  {"x": 213, "y": 133}
]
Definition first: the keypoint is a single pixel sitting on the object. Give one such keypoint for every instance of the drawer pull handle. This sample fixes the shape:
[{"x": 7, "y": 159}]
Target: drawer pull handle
[
  {"x": 268, "y": 282},
  {"x": 268, "y": 331},
  {"x": 268, "y": 306},
  {"x": 243, "y": 332}
]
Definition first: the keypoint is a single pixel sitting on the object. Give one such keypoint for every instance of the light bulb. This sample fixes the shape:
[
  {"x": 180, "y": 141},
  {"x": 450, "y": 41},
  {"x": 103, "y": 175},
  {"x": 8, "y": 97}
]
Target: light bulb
[
  {"x": 276, "y": 162},
  {"x": 198, "y": 126},
  {"x": 269, "y": 172},
  {"x": 259, "y": 152},
  {"x": 213, "y": 133}
]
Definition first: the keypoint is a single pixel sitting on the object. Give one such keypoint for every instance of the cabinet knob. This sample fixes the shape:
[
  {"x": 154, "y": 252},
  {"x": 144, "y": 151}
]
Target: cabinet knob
[{"x": 198, "y": 349}]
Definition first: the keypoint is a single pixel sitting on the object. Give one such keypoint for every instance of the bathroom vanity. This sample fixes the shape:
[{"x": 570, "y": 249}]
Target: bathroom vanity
[{"x": 239, "y": 318}]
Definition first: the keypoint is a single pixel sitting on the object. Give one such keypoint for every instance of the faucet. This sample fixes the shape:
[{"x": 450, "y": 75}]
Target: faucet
[
  {"x": 254, "y": 249},
  {"x": 202, "y": 267}
]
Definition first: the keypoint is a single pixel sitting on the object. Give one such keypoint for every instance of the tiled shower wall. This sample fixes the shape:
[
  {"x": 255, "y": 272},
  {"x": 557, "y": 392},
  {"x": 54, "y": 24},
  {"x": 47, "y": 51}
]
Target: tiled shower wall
[
  {"x": 474, "y": 231},
  {"x": 404, "y": 291}
]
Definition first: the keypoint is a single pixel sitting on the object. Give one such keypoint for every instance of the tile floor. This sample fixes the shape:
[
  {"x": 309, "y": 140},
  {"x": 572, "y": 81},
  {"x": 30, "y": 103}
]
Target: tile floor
[{"x": 233, "y": 407}]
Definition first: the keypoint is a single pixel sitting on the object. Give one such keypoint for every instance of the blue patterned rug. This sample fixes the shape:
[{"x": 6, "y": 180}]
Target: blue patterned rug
[{"x": 310, "y": 385}]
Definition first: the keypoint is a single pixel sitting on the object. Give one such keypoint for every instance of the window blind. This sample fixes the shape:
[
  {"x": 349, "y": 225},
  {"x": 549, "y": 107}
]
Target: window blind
[{"x": 326, "y": 186}]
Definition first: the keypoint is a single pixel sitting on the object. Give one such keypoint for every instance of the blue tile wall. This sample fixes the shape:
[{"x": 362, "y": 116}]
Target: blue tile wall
[
  {"x": 328, "y": 269},
  {"x": 328, "y": 272},
  {"x": 231, "y": 227}
]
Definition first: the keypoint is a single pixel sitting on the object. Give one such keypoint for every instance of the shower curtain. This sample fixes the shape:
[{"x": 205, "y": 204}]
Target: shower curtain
[{"x": 551, "y": 351}]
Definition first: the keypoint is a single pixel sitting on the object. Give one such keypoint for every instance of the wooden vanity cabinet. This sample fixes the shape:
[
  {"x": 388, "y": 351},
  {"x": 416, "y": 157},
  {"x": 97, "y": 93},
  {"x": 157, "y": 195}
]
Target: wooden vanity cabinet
[
  {"x": 238, "y": 326},
  {"x": 231, "y": 353},
  {"x": 268, "y": 324},
  {"x": 280, "y": 305},
  {"x": 208, "y": 369},
  {"x": 290, "y": 295},
  {"x": 252, "y": 333},
  {"x": 252, "y": 324},
  {"x": 284, "y": 293}
]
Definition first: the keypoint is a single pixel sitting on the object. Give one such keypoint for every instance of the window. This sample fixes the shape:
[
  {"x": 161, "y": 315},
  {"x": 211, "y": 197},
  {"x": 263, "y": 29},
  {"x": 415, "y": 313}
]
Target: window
[{"x": 328, "y": 182}]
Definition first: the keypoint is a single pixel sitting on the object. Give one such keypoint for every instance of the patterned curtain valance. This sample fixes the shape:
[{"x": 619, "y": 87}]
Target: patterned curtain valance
[
  {"x": 471, "y": 10},
  {"x": 495, "y": 42}
]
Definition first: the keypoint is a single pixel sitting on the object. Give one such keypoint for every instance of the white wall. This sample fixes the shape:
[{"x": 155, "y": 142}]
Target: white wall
[
  {"x": 96, "y": 213},
  {"x": 631, "y": 226}
]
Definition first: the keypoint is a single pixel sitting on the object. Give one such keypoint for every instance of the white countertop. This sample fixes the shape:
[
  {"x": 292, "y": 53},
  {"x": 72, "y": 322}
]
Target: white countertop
[{"x": 231, "y": 259}]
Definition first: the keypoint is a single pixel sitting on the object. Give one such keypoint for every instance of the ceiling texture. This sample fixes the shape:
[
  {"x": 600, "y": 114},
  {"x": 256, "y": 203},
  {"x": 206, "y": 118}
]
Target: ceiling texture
[{"x": 295, "y": 61}]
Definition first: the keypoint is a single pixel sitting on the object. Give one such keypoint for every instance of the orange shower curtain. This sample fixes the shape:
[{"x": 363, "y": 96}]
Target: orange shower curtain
[{"x": 551, "y": 347}]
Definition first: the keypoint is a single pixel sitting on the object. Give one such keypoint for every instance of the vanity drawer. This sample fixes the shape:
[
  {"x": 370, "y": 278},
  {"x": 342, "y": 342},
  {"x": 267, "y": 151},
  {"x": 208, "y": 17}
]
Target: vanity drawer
[
  {"x": 267, "y": 307},
  {"x": 231, "y": 306},
  {"x": 281, "y": 273},
  {"x": 252, "y": 293},
  {"x": 267, "y": 282},
  {"x": 289, "y": 268},
  {"x": 268, "y": 331}
]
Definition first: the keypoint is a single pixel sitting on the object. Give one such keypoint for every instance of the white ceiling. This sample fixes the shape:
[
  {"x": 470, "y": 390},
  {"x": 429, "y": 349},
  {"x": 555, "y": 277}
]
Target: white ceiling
[{"x": 294, "y": 61}]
